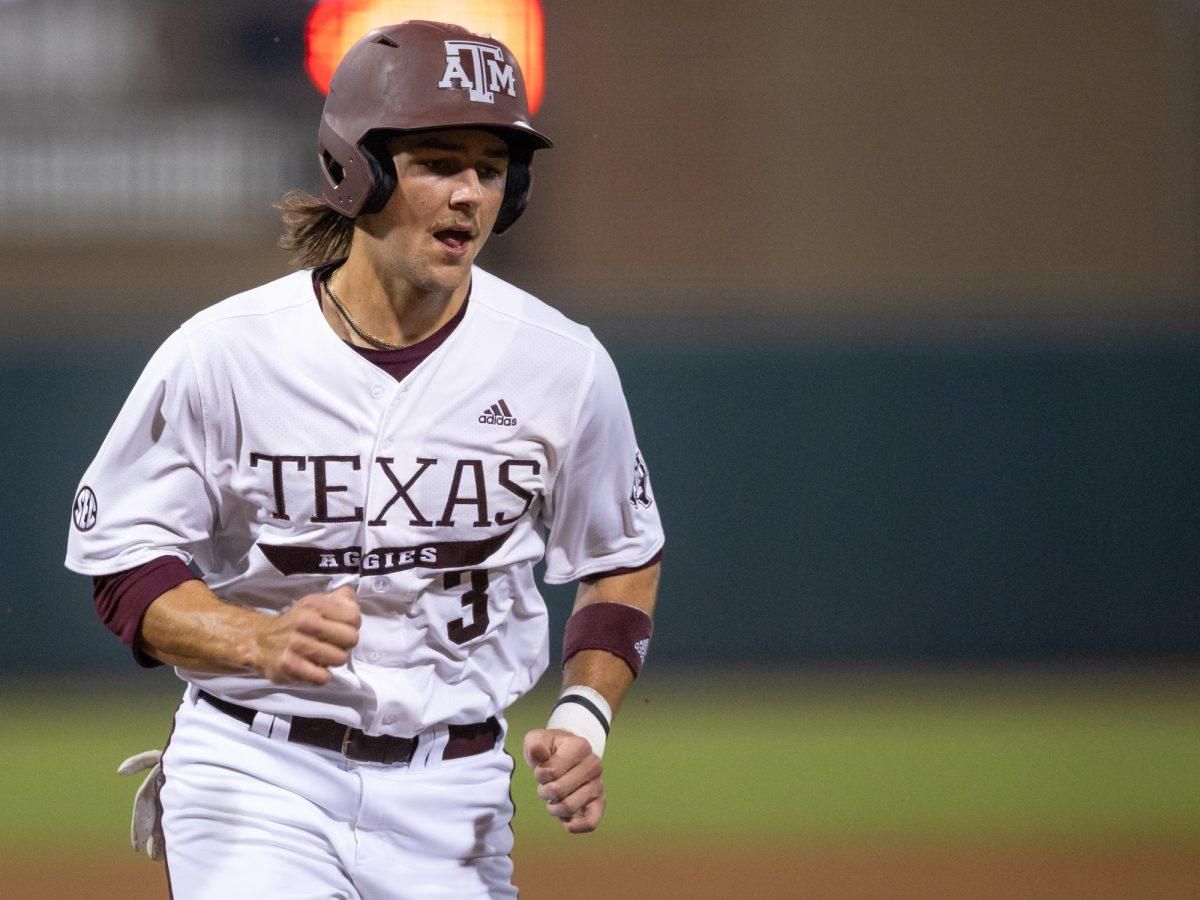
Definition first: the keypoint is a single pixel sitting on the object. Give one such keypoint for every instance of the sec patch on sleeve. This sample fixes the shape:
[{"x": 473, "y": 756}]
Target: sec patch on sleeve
[{"x": 84, "y": 510}]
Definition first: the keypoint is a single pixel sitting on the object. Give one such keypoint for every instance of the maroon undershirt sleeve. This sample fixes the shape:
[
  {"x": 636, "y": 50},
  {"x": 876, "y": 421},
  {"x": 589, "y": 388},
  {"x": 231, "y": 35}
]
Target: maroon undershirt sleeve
[
  {"x": 122, "y": 598},
  {"x": 589, "y": 579}
]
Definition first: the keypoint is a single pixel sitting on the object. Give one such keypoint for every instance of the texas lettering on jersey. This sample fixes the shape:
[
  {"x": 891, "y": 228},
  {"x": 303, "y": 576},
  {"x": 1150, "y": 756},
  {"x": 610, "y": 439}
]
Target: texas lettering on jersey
[{"x": 468, "y": 487}]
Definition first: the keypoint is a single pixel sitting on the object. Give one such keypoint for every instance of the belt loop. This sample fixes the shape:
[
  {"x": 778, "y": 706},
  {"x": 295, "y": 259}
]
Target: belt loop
[
  {"x": 281, "y": 728},
  {"x": 264, "y": 724},
  {"x": 431, "y": 744}
]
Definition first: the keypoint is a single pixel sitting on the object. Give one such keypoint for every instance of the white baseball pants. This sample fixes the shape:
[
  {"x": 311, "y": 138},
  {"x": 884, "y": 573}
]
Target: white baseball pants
[{"x": 251, "y": 816}]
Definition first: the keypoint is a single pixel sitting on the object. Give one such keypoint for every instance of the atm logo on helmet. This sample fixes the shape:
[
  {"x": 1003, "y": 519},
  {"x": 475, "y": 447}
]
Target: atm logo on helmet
[{"x": 491, "y": 72}]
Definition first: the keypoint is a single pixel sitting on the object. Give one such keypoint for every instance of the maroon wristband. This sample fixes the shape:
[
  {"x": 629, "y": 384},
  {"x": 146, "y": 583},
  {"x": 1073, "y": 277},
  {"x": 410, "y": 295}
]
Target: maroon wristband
[{"x": 622, "y": 630}]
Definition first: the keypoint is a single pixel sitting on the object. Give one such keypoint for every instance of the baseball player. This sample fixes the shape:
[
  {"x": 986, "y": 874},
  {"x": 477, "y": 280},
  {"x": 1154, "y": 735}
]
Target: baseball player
[{"x": 323, "y": 501}]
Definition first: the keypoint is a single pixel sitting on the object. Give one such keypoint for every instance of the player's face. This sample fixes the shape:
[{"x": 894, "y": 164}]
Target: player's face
[{"x": 449, "y": 187}]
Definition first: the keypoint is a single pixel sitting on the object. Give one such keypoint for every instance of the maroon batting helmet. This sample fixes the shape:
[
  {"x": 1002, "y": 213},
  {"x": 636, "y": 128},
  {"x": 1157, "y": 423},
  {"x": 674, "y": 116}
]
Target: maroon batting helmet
[{"x": 418, "y": 76}]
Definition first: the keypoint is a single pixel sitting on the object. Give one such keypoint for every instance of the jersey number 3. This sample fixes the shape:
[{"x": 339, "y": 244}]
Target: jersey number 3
[{"x": 476, "y": 599}]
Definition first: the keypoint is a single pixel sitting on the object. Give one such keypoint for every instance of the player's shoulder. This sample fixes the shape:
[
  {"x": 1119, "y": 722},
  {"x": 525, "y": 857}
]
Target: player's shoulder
[
  {"x": 496, "y": 297},
  {"x": 276, "y": 299}
]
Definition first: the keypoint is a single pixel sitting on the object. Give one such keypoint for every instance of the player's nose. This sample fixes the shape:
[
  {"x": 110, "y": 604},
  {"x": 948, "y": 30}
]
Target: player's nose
[{"x": 468, "y": 191}]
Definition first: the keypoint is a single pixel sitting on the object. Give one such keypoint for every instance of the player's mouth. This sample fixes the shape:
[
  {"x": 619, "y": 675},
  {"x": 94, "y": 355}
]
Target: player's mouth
[{"x": 456, "y": 241}]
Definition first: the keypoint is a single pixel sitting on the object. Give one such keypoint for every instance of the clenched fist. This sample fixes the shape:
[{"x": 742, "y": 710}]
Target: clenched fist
[
  {"x": 313, "y": 636},
  {"x": 568, "y": 776}
]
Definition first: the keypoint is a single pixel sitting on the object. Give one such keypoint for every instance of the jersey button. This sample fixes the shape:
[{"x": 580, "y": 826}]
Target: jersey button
[
  {"x": 381, "y": 585},
  {"x": 376, "y": 391}
]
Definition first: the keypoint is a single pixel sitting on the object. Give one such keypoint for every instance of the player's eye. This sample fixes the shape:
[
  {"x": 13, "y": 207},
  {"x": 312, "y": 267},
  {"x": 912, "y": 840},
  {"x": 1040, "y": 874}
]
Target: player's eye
[
  {"x": 441, "y": 165},
  {"x": 489, "y": 173}
]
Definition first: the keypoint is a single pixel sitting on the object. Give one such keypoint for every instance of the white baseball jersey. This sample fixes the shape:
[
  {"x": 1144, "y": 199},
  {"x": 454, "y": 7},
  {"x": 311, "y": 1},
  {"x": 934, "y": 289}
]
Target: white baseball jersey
[{"x": 262, "y": 447}]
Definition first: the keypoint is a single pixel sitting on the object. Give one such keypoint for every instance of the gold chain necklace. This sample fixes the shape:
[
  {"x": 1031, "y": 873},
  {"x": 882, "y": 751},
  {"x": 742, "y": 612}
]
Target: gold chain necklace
[{"x": 377, "y": 342}]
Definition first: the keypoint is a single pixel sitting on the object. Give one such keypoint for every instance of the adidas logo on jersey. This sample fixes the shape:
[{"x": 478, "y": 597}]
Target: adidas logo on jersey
[{"x": 498, "y": 414}]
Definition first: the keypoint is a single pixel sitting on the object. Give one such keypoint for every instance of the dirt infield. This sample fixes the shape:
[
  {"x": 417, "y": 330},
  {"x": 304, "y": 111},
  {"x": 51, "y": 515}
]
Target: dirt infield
[{"x": 1162, "y": 873}]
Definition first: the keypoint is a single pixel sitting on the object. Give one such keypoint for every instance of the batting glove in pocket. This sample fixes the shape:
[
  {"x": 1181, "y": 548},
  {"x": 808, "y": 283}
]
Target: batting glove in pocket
[{"x": 145, "y": 830}]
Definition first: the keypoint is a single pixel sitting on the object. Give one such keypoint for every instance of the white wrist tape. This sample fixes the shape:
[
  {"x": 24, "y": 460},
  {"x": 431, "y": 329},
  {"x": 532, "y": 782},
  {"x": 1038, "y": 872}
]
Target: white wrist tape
[{"x": 583, "y": 711}]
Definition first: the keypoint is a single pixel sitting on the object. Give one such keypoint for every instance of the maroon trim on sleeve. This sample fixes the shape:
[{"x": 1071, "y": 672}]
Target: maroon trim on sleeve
[
  {"x": 591, "y": 579},
  {"x": 122, "y": 598},
  {"x": 622, "y": 630},
  {"x": 397, "y": 363}
]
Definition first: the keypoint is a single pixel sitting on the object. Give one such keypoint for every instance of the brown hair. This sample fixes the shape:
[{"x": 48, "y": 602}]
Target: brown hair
[{"x": 313, "y": 232}]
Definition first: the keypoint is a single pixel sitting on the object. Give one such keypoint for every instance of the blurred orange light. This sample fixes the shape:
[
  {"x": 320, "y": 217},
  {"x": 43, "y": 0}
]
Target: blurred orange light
[{"x": 334, "y": 25}]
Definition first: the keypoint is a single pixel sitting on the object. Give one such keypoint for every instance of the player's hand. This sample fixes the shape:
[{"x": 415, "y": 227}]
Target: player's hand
[
  {"x": 568, "y": 776},
  {"x": 313, "y": 636},
  {"x": 145, "y": 829}
]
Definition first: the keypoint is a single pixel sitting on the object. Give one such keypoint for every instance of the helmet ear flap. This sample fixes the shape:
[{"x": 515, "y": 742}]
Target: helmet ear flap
[
  {"x": 516, "y": 194},
  {"x": 345, "y": 172},
  {"x": 382, "y": 169}
]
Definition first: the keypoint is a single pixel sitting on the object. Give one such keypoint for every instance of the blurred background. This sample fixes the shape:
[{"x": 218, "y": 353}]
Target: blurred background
[{"x": 906, "y": 303}]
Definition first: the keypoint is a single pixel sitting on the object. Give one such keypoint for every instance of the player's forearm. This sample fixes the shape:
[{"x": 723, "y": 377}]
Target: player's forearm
[
  {"x": 602, "y": 671},
  {"x": 190, "y": 626},
  {"x": 604, "y": 646}
]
